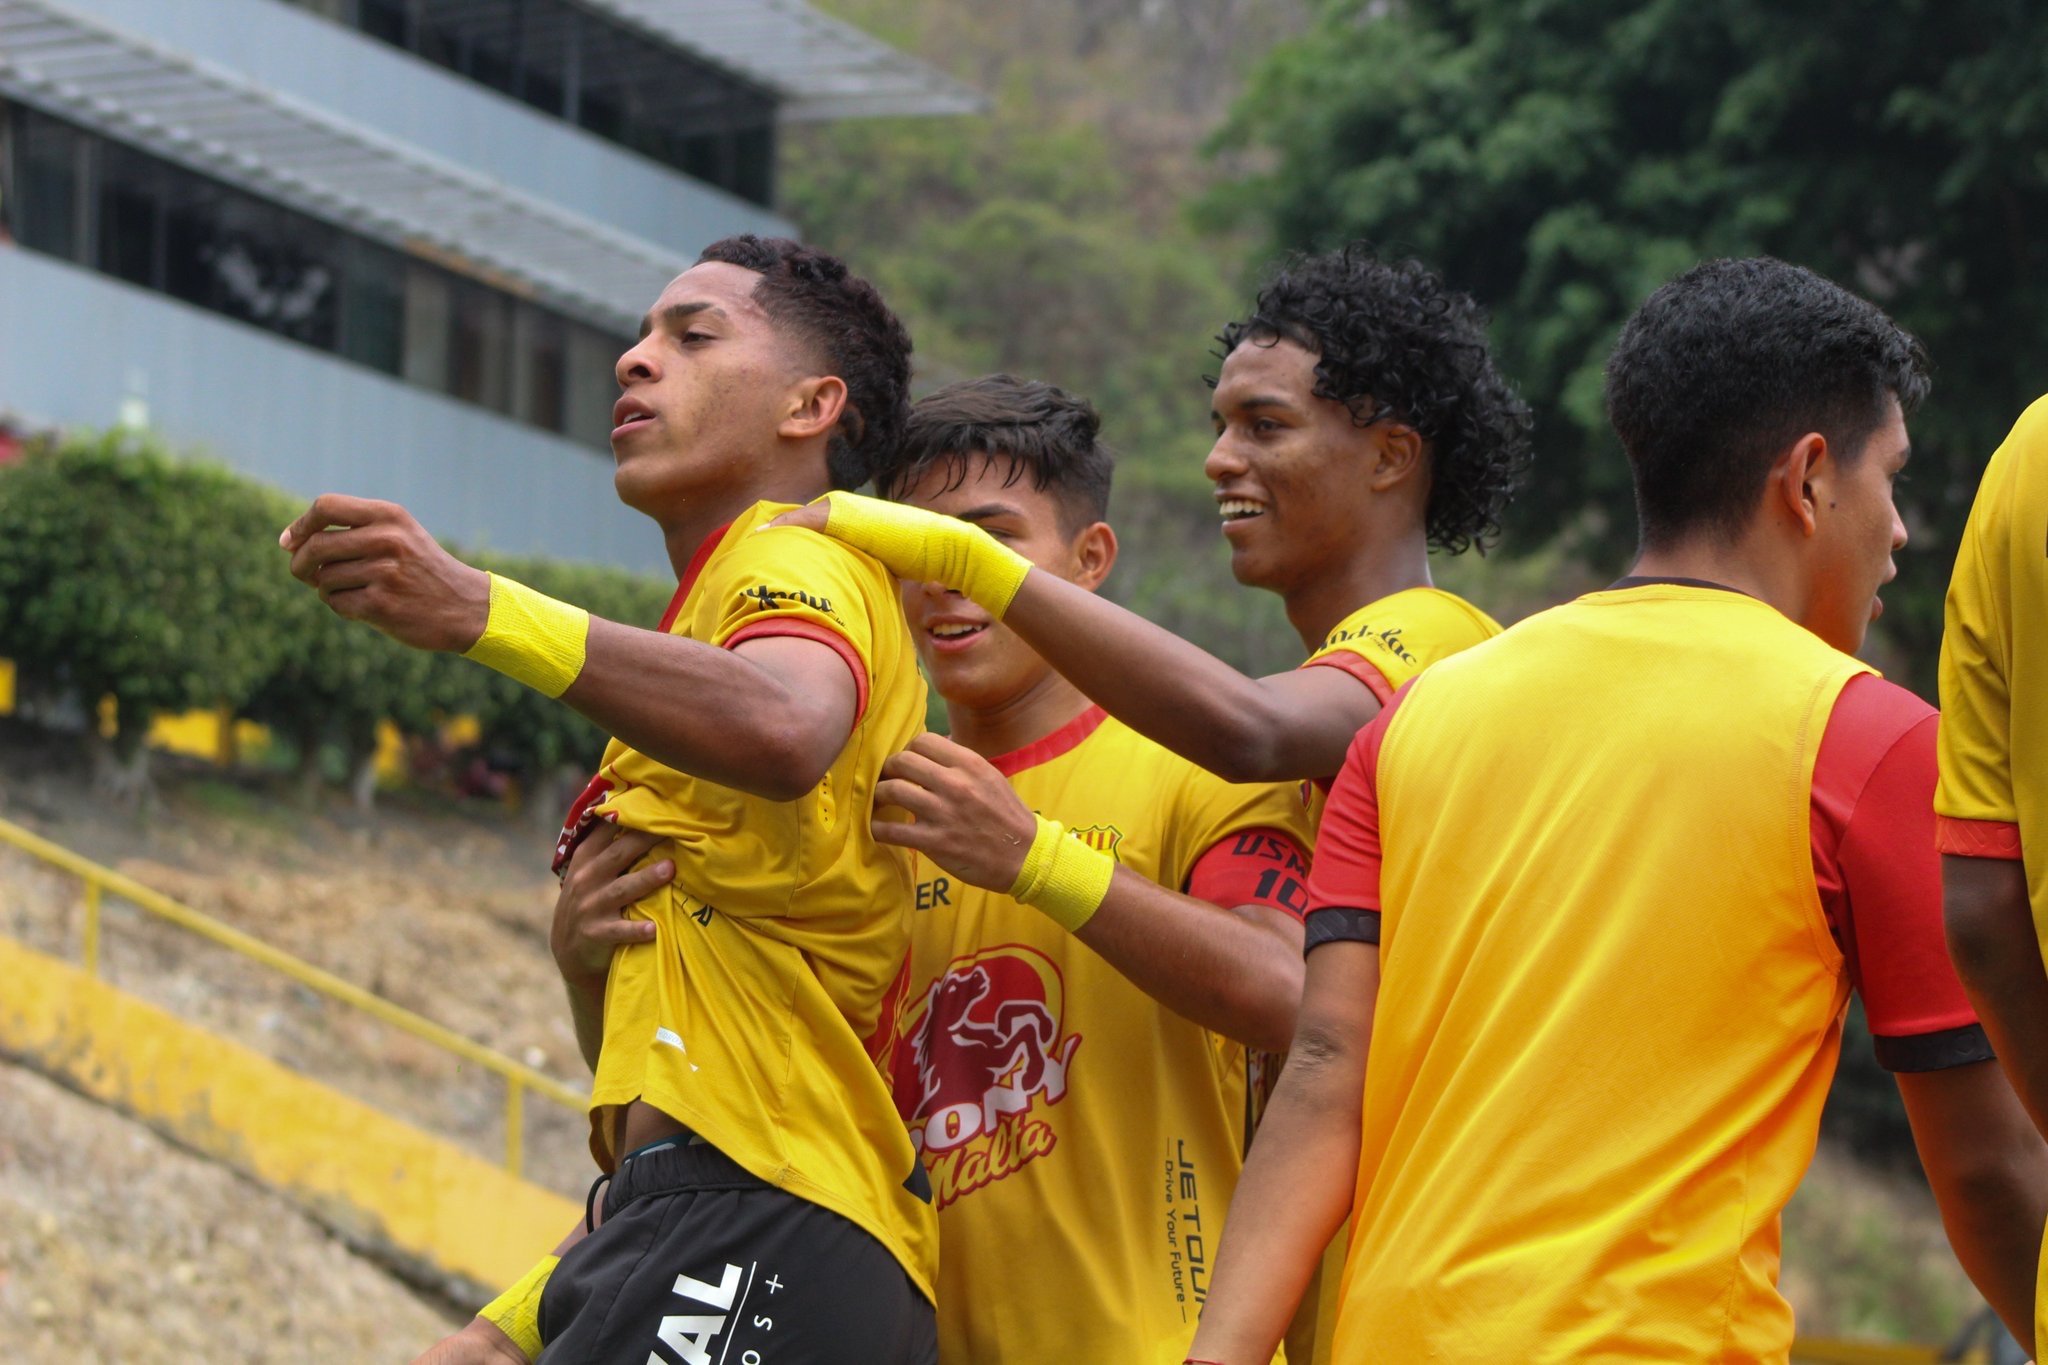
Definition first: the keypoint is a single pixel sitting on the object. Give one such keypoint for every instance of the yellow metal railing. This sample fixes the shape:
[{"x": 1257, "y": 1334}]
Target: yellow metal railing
[{"x": 519, "y": 1078}]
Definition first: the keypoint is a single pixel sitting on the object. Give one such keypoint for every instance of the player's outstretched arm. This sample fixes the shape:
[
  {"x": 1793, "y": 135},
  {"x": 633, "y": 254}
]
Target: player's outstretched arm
[
  {"x": 1997, "y": 952},
  {"x": 765, "y": 718},
  {"x": 1988, "y": 1168},
  {"x": 1282, "y": 728},
  {"x": 1235, "y": 970},
  {"x": 1298, "y": 1181},
  {"x": 598, "y": 887}
]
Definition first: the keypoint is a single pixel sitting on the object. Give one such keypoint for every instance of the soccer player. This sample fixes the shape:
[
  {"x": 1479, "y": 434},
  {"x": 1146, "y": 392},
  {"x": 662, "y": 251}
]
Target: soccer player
[
  {"x": 1589, "y": 897},
  {"x": 1359, "y": 421},
  {"x": 764, "y": 1200},
  {"x": 1071, "y": 1063},
  {"x": 1990, "y": 806}
]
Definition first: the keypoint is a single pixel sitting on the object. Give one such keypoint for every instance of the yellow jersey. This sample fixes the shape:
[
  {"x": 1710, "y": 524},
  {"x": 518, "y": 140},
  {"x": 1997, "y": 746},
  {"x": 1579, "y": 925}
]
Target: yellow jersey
[
  {"x": 1386, "y": 642},
  {"x": 1382, "y": 644},
  {"x": 1083, "y": 1140},
  {"x": 762, "y": 1013},
  {"x": 1992, "y": 801},
  {"x": 1610, "y": 1003}
]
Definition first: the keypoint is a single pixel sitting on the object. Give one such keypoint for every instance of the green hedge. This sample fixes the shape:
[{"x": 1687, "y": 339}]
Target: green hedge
[{"x": 126, "y": 572}]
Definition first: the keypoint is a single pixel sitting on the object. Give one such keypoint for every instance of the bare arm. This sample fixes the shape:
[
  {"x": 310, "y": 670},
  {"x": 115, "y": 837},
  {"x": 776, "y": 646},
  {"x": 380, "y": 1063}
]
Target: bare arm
[
  {"x": 1236, "y": 971},
  {"x": 1298, "y": 1182},
  {"x": 1282, "y": 728},
  {"x": 766, "y": 718},
  {"x": 481, "y": 1342},
  {"x": 1989, "y": 1171},
  {"x": 1997, "y": 952},
  {"x": 598, "y": 888}
]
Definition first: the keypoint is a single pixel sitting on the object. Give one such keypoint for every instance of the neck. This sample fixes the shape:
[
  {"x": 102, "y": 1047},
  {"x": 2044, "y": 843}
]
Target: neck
[
  {"x": 1738, "y": 564},
  {"x": 1382, "y": 566},
  {"x": 1026, "y": 718},
  {"x": 684, "y": 530}
]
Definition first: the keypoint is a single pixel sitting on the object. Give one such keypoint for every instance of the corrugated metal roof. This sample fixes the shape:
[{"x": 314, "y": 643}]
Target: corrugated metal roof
[
  {"x": 819, "y": 67},
  {"x": 284, "y": 149}
]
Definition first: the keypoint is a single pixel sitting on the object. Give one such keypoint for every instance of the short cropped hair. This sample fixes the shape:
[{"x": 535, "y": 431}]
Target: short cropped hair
[
  {"x": 816, "y": 299},
  {"x": 1034, "y": 428},
  {"x": 1727, "y": 365},
  {"x": 1392, "y": 340}
]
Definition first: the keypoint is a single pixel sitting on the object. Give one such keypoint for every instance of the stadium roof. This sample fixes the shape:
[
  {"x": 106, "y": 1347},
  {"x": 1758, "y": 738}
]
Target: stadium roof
[
  {"x": 817, "y": 66},
  {"x": 220, "y": 122}
]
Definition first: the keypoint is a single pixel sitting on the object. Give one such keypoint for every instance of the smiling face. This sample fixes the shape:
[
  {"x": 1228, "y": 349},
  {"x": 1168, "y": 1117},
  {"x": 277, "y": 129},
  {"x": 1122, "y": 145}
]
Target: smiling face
[
  {"x": 1857, "y": 529},
  {"x": 1292, "y": 471},
  {"x": 705, "y": 392},
  {"x": 974, "y": 662}
]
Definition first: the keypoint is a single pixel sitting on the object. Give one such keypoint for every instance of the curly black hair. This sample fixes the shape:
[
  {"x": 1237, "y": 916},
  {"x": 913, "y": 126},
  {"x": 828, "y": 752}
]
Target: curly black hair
[
  {"x": 1727, "y": 365},
  {"x": 1392, "y": 340},
  {"x": 1035, "y": 428},
  {"x": 819, "y": 300}
]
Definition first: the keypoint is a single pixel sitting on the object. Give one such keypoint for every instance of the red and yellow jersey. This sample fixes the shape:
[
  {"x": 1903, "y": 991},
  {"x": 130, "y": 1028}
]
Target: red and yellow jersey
[
  {"x": 1385, "y": 643},
  {"x": 1993, "y": 798},
  {"x": 1622, "y": 864},
  {"x": 1083, "y": 1141},
  {"x": 762, "y": 1013},
  {"x": 1993, "y": 802}
]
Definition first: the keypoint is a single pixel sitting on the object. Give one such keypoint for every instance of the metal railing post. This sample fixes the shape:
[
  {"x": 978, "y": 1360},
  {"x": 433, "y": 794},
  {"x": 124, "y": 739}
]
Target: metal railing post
[
  {"x": 89, "y": 950},
  {"x": 515, "y": 1125}
]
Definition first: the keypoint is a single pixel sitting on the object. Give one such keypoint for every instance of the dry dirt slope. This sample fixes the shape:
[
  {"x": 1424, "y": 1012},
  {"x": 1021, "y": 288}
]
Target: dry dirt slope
[{"x": 116, "y": 1247}]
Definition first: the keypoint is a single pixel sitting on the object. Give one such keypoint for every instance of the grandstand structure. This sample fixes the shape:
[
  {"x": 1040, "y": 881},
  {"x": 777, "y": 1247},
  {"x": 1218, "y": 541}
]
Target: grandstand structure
[{"x": 392, "y": 247}]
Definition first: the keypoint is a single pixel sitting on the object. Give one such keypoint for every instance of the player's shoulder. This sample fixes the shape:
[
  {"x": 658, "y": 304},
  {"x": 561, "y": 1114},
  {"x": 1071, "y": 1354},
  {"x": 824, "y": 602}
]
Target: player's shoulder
[
  {"x": 1429, "y": 619},
  {"x": 1871, "y": 715},
  {"x": 752, "y": 549}
]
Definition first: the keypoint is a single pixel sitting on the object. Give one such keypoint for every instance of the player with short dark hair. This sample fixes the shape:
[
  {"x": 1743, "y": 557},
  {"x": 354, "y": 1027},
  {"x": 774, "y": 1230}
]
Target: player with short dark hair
[
  {"x": 1073, "y": 1058},
  {"x": 762, "y": 1193},
  {"x": 1588, "y": 900},
  {"x": 1359, "y": 421},
  {"x": 1992, "y": 804}
]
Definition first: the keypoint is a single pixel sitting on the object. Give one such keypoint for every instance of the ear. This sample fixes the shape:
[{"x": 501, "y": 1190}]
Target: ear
[
  {"x": 1402, "y": 455},
  {"x": 1094, "y": 552},
  {"x": 1801, "y": 480},
  {"x": 814, "y": 407}
]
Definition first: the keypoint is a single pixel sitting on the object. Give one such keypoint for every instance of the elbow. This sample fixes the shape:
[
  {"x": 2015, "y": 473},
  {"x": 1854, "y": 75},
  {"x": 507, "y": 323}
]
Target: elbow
[
  {"x": 1977, "y": 943},
  {"x": 1244, "y": 750},
  {"x": 785, "y": 768},
  {"x": 1274, "y": 1010}
]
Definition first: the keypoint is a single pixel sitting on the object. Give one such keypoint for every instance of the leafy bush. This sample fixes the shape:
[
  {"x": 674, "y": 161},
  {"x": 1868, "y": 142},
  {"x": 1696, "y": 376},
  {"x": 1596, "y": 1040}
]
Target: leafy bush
[{"x": 126, "y": 573}]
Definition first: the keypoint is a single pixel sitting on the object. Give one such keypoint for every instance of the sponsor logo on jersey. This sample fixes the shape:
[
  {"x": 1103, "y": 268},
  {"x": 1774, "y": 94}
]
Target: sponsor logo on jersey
[
  {"x": 1389, "y": 639},
  {"x": 977, "y": 1061},
  {"x": 772, "y": 598}
]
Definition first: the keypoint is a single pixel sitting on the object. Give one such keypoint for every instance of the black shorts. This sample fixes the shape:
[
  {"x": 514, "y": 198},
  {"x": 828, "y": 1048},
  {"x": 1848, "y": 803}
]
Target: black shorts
[{"x": 699, "y": 1263}]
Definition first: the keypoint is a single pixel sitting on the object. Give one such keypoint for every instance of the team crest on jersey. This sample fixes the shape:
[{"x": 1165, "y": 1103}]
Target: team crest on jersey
[
  {"x": 1101, "y": 838},
  {"x": 977, "y": 1060}
]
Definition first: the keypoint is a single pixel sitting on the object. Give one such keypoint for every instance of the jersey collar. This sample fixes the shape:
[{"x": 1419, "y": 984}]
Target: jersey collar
[
  {"x": 690, "y": 573},
  {"x": 1060, "y": 741}
]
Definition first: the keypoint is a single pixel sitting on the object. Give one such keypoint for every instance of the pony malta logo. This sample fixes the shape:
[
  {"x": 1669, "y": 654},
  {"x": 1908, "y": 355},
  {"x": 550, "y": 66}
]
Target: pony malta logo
[{"x": 976, "y": 1061}]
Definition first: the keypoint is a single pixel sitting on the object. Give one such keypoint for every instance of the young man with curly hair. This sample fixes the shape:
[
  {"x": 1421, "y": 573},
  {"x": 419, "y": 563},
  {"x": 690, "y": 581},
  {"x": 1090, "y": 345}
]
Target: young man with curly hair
[
  {"x": 764, "y": 1201},
  {"x": 1589, "y": 898},
  {"x": 1359, "y": 422}
]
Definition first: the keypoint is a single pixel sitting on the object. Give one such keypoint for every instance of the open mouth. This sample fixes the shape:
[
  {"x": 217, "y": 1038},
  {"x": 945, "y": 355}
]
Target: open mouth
[
  {"x": 956, "y": 633},
  {"x": 1240, "y": 509}
]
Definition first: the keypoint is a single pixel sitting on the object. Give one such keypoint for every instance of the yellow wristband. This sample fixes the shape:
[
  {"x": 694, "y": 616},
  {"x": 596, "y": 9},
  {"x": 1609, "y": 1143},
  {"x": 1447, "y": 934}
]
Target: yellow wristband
[
  {"x": 532, "y": 638},
  {"x": 925, "y": 547},
  {"x": 1063, "y": 878},
  {"x": 516, "y": 1312}
]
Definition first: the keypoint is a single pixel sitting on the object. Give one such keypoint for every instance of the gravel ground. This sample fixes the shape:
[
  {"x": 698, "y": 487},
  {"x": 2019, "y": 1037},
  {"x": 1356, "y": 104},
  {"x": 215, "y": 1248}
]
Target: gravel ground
[{"x": 117, "y": 1247}]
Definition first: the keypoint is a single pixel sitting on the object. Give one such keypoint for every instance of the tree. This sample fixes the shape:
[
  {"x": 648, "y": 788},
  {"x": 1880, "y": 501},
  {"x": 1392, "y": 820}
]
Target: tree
[
  {"x": 126, "y": 573},
  {"x": 1562, "y": 160}
]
